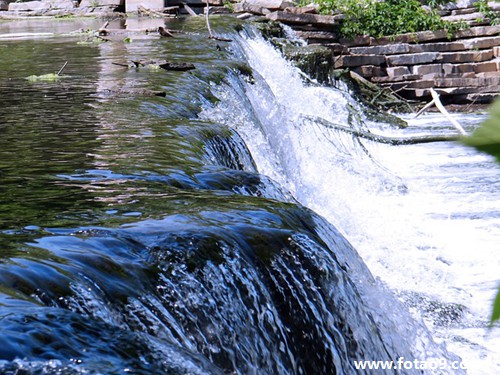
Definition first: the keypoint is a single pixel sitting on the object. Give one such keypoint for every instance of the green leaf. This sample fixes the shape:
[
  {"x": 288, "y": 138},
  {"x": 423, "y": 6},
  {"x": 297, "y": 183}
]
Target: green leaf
[
  {"x": 495, "y": 315},
  {"x": 487, "y": 137},
  {"x": 51, "y": 77}
]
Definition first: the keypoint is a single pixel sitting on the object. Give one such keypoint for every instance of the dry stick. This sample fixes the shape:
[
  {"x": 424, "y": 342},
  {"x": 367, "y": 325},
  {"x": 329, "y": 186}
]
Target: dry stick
[
  {"x": 427, "y": 106},
  {"x": 149, "y": 12},
  {"x": 210, "y": 34},
  {"x": 103, "y": 27},
  {"x": 60, "y": 70},
  {"x": 121, "y": 64},
  {"x": 190, "y": 10},
  {"x": 443, "y": 110},
  {"x": 207, "y": 11},
  {"x": 396, "y": 141}
]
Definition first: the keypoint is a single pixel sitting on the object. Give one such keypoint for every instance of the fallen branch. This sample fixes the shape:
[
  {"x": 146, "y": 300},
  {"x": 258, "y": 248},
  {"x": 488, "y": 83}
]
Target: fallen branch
[
  {"x": 210, "y": 34},
  {"x": 142, "y": 10},
  {"x": 437, "y": 102},
  {"x": 182, "y": 67},
  {"x": 190, "y": 10},
  {"x": 162, "y": 64},
  {"x": 102, "y": 30},
  {"x": 165, "y": 32},
  {"x": 395, "y": 141},
  {"x": 60, "y": 70},
  {"x": 443, "y": 110},
  {"x": 25, "y": 35}
]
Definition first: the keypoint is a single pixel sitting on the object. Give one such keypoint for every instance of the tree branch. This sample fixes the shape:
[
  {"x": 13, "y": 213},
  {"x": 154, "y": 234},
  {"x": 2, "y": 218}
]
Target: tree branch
[{"x": 395, "y": 141}]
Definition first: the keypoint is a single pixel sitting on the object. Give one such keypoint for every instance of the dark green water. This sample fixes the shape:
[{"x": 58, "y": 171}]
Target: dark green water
[
  {"x": 136, "y": 237},
  {"x": 92, "y": 122}
]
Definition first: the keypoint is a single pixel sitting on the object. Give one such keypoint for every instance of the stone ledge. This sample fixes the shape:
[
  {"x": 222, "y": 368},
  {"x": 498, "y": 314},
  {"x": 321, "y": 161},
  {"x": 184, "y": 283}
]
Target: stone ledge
[
  {"x": 359, "y": 60},
  {"x": 464, "y": 57},
  {"x": 41, "y": 5},
  {"x": 389, "y": 49},
  {"x": 306, "y": 18},
  {"x": 413, "y": 59},
  {"x": 317, "y": 35}
]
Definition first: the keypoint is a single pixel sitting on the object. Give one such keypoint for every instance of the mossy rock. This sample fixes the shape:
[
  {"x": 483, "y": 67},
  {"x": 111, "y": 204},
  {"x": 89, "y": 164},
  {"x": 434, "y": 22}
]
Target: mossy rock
[{"x": 314, "y": 60}]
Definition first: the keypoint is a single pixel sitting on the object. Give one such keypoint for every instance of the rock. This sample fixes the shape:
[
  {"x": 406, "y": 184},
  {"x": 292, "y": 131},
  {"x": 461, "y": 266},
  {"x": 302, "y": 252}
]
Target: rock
[
  {"x": 432, "y": 69},
  {"x": 461, "y": 57},
  {"x": 337, "y": 48},
  {"x": 45, "y": 5},
  {"x": 413, "y": 59},
  {"x": 102, "y": 3},
  {"x": 486, "y": 67},
  {"x": 314, "y": 60},
  {"x": 483, "y": 98},
  {"x": 29, "y": 6},
  {"x": 4, "y": 5},
  {"x": 467, "y": 82},
  {"x": 482, "y": 43},
  {"x": 483, "y": 67},
  {"x": 419, "y": 37},
  {"x": 270, "y": 4},
  {"x": 312, "y": 9},
  {"x": 465, "y": 3},
  {"x": 457, "y": 12},
  {"x": 359, "y": 60},
  {"x": 464, "y": 17},
  {"x": 180, "y": 67},
  {"x": 398, "y": 71},
  {"x": 306, "y": 18},
  {"x": 389, "y": 49},
  {"x": 438, "y": 47},
  {"x": 323, "y": 36},
  {"x": 494, "y": 5},
  {"x": 369, "y": 71},
  {"x": 387, "y": 79},
  {"x": 245, "y": 7},
  {"x": 132, "y": 5},
  {"x": 360, "y": 40},
  {"x": 261, "y": 6},
  {"x": 477, "y": 31}
]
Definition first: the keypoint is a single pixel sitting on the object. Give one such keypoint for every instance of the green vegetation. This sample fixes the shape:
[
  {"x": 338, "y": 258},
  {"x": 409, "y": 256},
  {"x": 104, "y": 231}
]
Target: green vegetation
[
  {"x": 496, "y": 309},
  {"x": 51, "y": 77},
  {"x": 487, "y": 139},
  {"x": 483, "y": 7},
  {"x": 385, "y": 18}
]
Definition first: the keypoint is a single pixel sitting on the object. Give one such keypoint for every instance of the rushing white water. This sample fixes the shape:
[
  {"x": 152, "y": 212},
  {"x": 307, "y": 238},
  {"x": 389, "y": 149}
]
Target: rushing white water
[{"x": 425, "y": 218}]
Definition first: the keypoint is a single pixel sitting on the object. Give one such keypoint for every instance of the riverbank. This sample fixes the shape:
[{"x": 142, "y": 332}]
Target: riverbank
[{"x": 463, "y": 67}]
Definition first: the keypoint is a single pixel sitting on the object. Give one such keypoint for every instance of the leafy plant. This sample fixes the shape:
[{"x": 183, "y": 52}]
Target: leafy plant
[
  {"x": 435, "y": 3},
  {"x": 483, "y": 7},
  {"x": 487, "y": 138},
  {"x": 495, "y": 315},
  {"x": 385, "y": 18},
  {"x": 51, "y": 77}
]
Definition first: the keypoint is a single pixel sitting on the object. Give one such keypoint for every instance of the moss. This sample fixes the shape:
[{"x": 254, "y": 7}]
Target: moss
[{"x": 314, "y": 60}]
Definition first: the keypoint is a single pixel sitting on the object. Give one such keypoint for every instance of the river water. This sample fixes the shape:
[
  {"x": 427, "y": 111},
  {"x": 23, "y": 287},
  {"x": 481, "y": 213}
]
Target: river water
[{"x": 180, "y": 234}]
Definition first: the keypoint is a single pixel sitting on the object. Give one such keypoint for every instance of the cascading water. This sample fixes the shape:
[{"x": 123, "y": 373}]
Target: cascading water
[
  {"x": 136, "y": 235},
  {"x": 425, "y": 218}
]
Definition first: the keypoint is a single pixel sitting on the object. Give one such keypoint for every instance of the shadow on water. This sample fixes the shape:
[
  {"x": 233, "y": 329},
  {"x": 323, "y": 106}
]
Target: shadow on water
[{"x": 138, "y": 238}]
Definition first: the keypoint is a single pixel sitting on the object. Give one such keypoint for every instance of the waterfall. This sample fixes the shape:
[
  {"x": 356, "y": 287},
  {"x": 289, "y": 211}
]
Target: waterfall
[
  {"x": 214, "y": 230},
  {"x": 372, "y": 193}
]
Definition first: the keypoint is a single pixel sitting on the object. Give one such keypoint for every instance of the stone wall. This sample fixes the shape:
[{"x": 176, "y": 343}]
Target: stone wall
[{"x": 464, "y": 67}]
